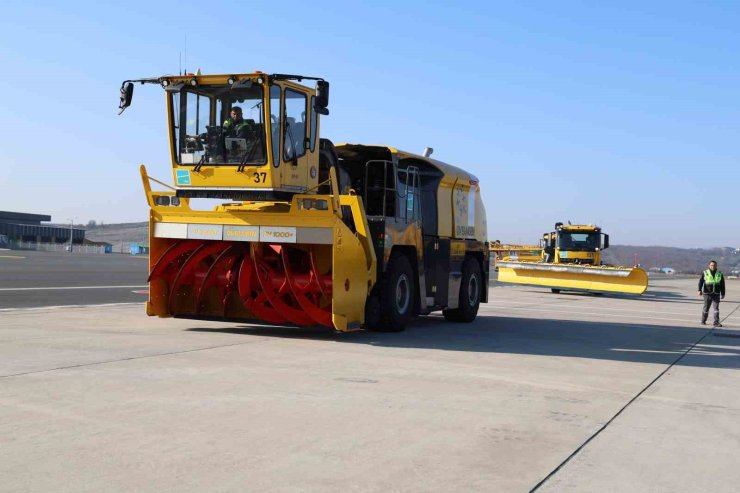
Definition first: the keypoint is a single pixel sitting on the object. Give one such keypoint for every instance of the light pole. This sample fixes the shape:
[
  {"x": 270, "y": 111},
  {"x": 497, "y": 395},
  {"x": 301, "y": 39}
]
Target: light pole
[{"x": 71, "y": 232}]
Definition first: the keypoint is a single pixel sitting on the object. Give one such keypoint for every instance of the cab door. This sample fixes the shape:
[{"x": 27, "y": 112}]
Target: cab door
[{"x": 295, "y": 155}]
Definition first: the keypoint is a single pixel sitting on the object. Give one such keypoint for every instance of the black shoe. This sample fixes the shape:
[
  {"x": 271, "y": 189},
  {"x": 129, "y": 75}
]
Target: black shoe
[
  {"x": 704, "y": 323},
  {"x": 718, "y": 325}
]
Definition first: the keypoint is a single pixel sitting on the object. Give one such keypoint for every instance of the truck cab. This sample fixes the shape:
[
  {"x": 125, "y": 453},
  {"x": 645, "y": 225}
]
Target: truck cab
[
  {"x": 249, "y": 136},
  {"x": 575, "y": 244}
]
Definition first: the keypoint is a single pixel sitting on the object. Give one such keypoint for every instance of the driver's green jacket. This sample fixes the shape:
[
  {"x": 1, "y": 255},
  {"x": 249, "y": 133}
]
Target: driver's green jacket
[{"x": 237, "y": 130}]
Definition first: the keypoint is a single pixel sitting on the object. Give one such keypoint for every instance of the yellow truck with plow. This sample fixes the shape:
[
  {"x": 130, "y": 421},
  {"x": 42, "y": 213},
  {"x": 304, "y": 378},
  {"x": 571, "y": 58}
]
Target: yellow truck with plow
[
  {"x": 571, "y": 260},
  {"x": 306, "y": 233}
]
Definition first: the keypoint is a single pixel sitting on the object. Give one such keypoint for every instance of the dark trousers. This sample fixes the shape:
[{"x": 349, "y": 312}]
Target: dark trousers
[{"x": 710, "y": 299}]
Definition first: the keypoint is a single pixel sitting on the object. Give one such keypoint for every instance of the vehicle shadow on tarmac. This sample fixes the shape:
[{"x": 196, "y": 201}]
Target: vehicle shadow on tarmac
[{"x": 637, "y": 343}]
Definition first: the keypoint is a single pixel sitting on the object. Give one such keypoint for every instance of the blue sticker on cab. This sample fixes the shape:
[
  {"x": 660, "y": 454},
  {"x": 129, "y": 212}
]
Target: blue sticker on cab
[{"x": 182, "y": 176}]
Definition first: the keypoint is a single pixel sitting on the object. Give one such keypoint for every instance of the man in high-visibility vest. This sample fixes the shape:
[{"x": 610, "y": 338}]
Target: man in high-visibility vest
[
  {"x": 236, "y": 126},
  {"x": 712, "y": 287}
]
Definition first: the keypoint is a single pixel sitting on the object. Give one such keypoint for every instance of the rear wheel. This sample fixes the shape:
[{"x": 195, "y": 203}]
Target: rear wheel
[
  {"x": 556, "y": 291},
  {"x": 470, "y": 293},
  {"x": 397, "y": 297}
]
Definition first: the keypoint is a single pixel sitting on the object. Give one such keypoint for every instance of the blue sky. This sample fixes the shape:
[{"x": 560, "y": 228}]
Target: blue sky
[{"x": 625, "y": 114}]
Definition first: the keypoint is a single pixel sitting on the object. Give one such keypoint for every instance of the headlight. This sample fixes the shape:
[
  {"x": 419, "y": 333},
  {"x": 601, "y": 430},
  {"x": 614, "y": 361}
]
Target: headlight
[{"x": 162, "y": 200}]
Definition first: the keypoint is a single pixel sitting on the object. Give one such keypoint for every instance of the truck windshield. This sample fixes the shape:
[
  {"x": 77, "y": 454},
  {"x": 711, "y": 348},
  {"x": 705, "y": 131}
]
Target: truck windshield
[
  {"x": 218, "y": 125},
  {"x": 584, "y": 242}
]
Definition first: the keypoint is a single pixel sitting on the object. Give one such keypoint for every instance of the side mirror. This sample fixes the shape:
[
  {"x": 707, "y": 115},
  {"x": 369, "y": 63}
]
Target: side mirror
[
  {"x": 127, "y": 92},
  {"x": 322, "y": 97},
  {"x": 606, "y": 242}
]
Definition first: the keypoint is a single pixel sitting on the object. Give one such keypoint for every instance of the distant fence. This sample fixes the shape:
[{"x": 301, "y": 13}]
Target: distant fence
[
  {"x": 120, "y": 247},
  {"x": 55, "y": 247}
]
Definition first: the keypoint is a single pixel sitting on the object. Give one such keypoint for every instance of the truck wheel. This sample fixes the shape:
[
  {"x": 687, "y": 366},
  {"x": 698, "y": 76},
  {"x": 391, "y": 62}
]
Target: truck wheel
[
  {"x": 556, "y": 291},
  {"x": 372, "y": 312},
  {"x": 470, "y": 293},
  {"x": 397, "y": 298}
]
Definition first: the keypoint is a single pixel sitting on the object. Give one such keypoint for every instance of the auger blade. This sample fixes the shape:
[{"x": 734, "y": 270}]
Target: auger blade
[
  {"x": 172, "y": 259},
  {"x": 191, "y": 273},
  {"x": 270, "y": 271},
  {"x": 221, "y": 278},
  {"x": 308, "y": 290},
  {"x": 251, "y": 294}
]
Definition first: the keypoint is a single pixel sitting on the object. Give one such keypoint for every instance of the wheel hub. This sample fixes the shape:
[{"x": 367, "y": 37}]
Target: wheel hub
[
  {"x": 402, "y": 294},
  {"x": 473, "y": 290}
]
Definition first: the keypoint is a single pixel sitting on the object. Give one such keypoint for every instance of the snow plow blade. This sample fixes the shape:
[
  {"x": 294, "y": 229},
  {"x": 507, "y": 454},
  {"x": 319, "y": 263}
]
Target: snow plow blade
[{"x": 595, "y": 279}]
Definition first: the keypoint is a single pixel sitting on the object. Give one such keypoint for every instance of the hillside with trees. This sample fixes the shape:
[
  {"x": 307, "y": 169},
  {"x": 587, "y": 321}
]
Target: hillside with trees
[{"x": 682, "y": 260}]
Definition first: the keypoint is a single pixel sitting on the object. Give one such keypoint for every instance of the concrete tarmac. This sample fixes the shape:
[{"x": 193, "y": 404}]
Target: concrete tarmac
[
  {"x": 34, "y": 279},
  {"x": 563, "y": 392}
]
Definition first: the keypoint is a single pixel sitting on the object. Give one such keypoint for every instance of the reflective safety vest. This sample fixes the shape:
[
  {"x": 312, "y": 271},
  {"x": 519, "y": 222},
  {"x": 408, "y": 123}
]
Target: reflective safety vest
[
  {"x": 711, "y": 282},
  {"x": 232, "y": 128}
]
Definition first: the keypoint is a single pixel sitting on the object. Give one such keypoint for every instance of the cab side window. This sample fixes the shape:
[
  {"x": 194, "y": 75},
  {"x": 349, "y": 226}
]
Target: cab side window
[
  {"x": 314, "y": 123},
  {"x": 275, "y": 122},
  {"x": 294, "y": 135}
]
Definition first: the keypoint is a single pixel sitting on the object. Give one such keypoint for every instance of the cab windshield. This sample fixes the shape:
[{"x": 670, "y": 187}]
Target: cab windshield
[
  {"x": 585, "y": 242},
  {"x": 218, "y": 125}
]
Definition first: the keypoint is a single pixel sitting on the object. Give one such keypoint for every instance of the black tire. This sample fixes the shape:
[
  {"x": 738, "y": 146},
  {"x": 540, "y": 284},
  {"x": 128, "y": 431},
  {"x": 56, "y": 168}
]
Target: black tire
[
  {"x": 470, "y": 293},
  {"x": 372, "y": 312},
  {"x": 327, "y": 159},
  {"x": 556, "y": 291},
  {"x": 397, "y": 296}
]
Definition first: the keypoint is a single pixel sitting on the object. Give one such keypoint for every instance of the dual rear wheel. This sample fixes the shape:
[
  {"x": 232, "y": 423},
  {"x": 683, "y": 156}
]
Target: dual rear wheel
[{"x": 392, "y": 310}]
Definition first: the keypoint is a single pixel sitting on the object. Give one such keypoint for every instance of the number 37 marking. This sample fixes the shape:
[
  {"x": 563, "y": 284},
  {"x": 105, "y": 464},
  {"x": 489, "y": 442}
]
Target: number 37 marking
[{"x": 260, "y": 177}]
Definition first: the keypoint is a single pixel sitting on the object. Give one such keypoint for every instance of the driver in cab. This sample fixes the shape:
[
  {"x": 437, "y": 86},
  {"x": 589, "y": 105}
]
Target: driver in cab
[{"x": 236, "y": 127}]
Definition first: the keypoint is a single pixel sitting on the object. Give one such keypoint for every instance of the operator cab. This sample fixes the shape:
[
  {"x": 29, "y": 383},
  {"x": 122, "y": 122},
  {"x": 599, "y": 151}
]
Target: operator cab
[
  {"x": 242, "y": 137},
  {"x": 581, "y": 238}
]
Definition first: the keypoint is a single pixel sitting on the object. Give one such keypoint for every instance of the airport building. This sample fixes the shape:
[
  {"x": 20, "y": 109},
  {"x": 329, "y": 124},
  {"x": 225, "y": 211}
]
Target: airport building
[{"x": 20, "y": 226}]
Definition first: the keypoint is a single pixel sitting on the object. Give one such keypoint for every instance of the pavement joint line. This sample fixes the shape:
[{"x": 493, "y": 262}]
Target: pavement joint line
[
  {"x": 132, "y": 358},
  {"x": 729, "y": 314},
  {"x": 52, "y": 288},
  {"x": 628, "y": 404},
  {"x": 719, "y": 334}
]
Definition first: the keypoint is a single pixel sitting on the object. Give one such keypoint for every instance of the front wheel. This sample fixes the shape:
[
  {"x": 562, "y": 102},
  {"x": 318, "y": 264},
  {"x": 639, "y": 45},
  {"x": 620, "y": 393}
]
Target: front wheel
[
  {"x": 470, "y": 293},
  {"x": 397, "y": 299}
]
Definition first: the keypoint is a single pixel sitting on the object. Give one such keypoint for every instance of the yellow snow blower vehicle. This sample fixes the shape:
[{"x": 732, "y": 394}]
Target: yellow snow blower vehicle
[
  {"x": 571, "y": 260},
  {"x": 308, "y": 233}
]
